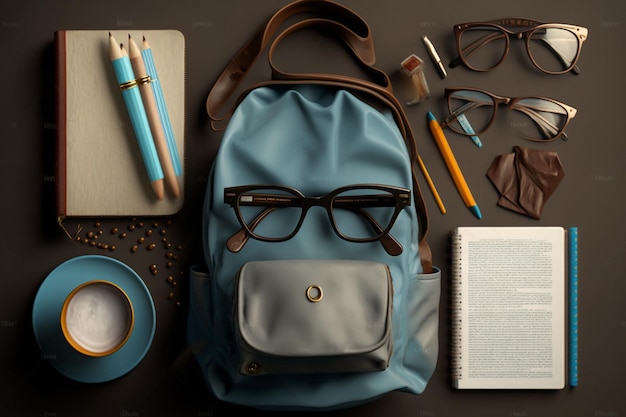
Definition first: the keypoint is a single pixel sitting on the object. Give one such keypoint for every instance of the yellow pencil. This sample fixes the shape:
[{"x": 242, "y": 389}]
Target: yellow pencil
[
  {"x": 453, "y": 166},
  {"x": 431, "y": 185}
]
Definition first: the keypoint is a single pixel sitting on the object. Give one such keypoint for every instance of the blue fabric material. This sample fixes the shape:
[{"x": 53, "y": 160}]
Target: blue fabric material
[{"x": 315, "y": 139}]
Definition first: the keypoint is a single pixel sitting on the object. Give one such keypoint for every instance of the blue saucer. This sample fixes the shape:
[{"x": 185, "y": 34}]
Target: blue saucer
[{"x": 47, "y": 323}]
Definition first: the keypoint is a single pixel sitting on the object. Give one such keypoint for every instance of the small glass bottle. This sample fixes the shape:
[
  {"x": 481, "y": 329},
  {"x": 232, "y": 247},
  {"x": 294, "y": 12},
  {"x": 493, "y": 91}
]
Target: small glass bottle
[{"x": 413, "y": 67}]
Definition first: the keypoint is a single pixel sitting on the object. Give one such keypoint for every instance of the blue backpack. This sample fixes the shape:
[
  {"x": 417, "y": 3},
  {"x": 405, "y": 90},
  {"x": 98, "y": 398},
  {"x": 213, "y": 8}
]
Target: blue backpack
[{"x": 318, "y": 291}]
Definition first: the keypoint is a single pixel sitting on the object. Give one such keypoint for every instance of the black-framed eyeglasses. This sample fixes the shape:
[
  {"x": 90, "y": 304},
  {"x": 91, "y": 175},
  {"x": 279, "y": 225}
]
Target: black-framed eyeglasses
[
  {"x": 357, "y": 213},
  {"x": 540, "y": 119},
  {"x": 553, "y": 48}
]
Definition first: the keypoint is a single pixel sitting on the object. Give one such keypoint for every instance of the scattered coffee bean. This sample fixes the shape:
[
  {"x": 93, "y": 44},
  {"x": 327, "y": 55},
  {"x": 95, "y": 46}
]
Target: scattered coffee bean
[{"x": 96, "y": 238}]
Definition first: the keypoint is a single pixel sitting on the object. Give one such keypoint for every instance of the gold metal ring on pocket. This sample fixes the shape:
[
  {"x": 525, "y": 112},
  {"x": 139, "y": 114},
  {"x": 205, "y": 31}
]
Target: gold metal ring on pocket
[{"x": 314, "y": 293}]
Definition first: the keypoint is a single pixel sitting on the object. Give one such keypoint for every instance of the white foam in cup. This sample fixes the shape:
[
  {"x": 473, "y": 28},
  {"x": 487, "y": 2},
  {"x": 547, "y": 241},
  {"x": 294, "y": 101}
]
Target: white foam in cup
[{"x": 97, "y": 318}]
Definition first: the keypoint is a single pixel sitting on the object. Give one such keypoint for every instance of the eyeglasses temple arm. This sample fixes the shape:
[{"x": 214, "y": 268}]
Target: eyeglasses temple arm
[
  {"x": 475, "y": 46},
  {"x": 237, "y": 241},
  {"x": 391, "y": 245},
  {"x": 548, "y": 128},
  {"x": 464, "y": 108},
  {"x": 360, "y": 201}
]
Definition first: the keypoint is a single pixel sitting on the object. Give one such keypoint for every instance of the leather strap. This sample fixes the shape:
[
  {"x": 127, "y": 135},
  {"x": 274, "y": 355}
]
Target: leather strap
[
  {"x": 360, "y": 43},
  {"x": 339, "y": 21}
]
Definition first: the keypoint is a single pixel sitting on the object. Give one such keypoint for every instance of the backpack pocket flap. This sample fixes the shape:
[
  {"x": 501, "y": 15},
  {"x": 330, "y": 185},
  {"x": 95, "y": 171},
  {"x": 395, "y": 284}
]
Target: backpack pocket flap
[{"x": 314, "y": 316}]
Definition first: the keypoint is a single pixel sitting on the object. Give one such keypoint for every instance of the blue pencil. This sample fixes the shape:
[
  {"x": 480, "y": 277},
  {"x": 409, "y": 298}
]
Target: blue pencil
[
  {"x": 148, "y": 59},
  {"x": 136, "y": 111},
  {"x": 573, "y": 306}
]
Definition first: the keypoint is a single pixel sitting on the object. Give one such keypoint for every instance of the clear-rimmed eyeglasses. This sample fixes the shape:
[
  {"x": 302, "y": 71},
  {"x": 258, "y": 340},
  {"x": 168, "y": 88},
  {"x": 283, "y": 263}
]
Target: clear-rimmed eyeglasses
[
  {"x": 357, "y": 213},
  {"x": 553, "y": 48},
  {"x": 540, "y": 119}
]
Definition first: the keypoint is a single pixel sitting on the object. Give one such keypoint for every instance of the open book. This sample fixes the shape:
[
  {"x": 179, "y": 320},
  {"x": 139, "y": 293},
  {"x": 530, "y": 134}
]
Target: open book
[{"x": 508, "y": 315}]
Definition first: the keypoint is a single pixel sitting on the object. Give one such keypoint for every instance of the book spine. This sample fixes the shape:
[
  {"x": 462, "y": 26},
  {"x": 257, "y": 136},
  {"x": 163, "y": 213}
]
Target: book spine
[
  {"x": 61, "y": 125},
  {"x": 456, "y": 309}
]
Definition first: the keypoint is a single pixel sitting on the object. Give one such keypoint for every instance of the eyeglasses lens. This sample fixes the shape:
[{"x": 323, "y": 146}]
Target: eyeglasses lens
[
  {"x": 553, "y": 50},
  {"x": 363, "y": 214},
  {"x": 270, "y": 213},
  {"x": 482, "y": 47}
]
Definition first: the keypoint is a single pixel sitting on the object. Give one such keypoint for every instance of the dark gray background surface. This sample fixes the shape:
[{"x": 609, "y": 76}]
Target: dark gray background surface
[{"x": 167, "y": 382}]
